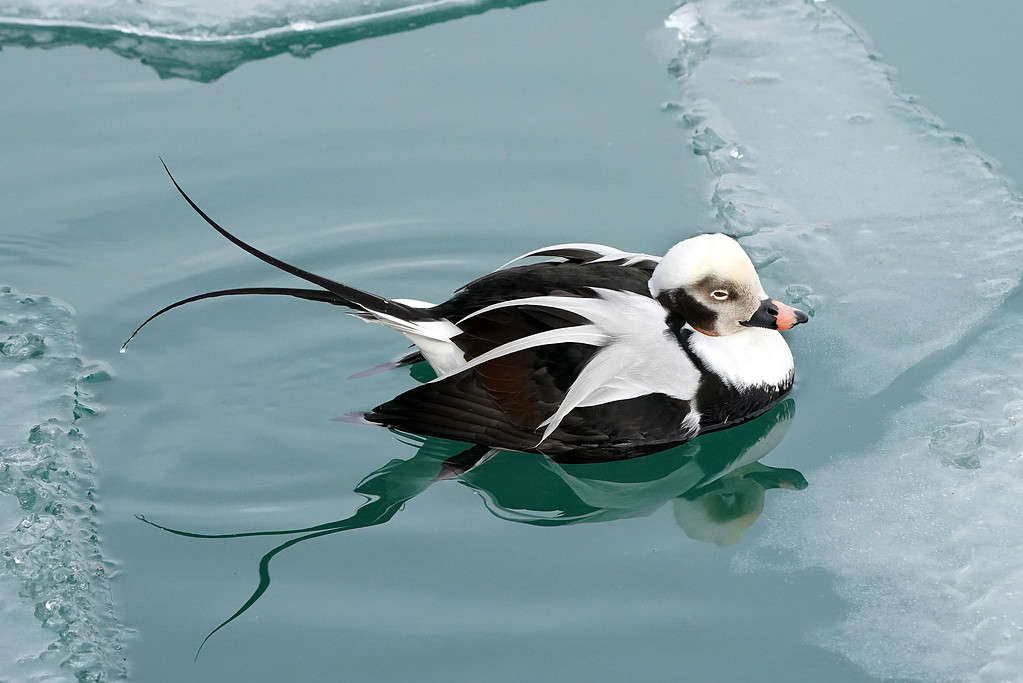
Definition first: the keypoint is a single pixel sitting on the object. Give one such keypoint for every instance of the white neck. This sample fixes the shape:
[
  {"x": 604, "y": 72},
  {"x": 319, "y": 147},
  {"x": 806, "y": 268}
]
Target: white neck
[{"x": 752, "y": 357}]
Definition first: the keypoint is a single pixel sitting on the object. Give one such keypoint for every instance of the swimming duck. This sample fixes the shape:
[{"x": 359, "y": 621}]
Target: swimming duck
[{"x": 592, "y": 354}]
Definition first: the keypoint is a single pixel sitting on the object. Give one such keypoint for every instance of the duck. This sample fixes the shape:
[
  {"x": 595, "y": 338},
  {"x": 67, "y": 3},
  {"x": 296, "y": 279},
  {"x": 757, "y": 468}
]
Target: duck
[{"x": 587, "y": 353}]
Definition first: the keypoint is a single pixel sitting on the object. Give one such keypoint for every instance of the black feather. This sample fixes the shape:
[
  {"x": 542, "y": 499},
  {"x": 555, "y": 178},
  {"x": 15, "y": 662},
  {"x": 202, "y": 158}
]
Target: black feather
[
  {"x": 310, "y": 294},
  {"x": 350, "y": 295}
]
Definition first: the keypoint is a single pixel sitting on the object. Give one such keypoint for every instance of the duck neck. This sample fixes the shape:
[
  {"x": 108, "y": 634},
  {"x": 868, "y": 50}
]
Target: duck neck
[{"x": 749, "y": 359}]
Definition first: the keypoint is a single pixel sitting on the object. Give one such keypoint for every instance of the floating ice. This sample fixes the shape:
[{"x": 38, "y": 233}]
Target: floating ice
[
  {"x": 906, "y": 243},
  {"x": 50, "y": 560},
  {"x": 22, "y": 346},
  {"x": 204, "y": 40},
  {"x": 905, "y": 232},
  {"x": 926, "y": 549}
]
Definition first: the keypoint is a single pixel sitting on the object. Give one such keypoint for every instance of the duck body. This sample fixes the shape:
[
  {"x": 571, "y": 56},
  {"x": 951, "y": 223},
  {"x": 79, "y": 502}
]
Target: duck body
[
  {"x": 594, "y": 354},
  {"x": 643, "y": 381}
]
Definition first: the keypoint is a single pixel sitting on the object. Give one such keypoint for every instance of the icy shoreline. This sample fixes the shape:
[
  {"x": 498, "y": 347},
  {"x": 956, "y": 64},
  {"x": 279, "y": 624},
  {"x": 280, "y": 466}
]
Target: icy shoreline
[
  {"x": 906, "y": 242},
  {"x": 204, "y": 41},
  {"x": 51, "y": 562}
]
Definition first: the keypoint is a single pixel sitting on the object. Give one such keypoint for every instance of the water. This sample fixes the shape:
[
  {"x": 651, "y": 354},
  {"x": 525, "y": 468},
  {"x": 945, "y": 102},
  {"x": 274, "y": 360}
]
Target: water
[{"x": 409, "y": 162}]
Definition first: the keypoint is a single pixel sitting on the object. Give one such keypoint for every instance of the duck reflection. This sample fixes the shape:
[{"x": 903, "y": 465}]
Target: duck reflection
[{"x": 715, "y": 484}]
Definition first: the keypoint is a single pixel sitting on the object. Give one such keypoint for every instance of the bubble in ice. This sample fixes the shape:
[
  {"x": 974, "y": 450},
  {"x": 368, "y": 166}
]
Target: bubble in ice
[
  {"x": 958, "y": 444},
  {"x": 22, "y": 346},
  {"x": 46, "y": 476}
]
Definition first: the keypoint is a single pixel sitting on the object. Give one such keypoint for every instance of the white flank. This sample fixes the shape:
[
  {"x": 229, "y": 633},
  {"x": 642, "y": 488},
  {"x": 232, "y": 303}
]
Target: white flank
[
  {"x": 639, "y": 356},
  {"x": 432, "y": 337}
]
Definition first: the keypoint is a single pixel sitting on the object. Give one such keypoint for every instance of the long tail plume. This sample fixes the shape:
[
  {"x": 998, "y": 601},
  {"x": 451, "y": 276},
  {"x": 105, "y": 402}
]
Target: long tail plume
[
  {"x": 335, "y": 293},
  {"x": 310, "y": 294}
]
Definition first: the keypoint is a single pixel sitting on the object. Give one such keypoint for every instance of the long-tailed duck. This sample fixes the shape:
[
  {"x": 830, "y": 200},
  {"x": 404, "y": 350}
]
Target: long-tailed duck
[{"x": 600, "y": 354}]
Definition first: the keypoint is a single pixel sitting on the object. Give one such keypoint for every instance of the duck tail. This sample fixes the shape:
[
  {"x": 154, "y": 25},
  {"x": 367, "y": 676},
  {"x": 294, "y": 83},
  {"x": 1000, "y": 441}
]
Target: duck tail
[{"x": 395, "y": 314}]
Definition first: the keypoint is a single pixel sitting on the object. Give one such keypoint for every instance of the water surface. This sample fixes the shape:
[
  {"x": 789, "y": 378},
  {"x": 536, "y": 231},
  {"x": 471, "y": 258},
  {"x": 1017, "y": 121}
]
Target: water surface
[{"x": 411, "y": 162}]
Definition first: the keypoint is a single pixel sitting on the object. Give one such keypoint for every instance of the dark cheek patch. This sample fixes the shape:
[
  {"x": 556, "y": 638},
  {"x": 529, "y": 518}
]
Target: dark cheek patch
[{"x": 692, "y": 311}]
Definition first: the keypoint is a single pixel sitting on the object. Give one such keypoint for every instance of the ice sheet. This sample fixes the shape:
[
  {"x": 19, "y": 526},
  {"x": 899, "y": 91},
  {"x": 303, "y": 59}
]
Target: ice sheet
[
  {"x": 855, "y": 202},
  {"x": 204, "y": 40},
  {"x": 923, "y": 530},
  {"x": 58, "y": 617},
  {"x": 905, "y": 242}
]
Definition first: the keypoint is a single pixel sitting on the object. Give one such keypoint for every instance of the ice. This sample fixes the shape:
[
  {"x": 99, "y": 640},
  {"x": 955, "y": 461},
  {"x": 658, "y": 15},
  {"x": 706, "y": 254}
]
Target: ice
[
  {"x": 204, "y": 40},
  {"x": 904, "y": 241},
  {"x": 902, "y": 233},
  {"x": 923, "y": 530},
  {"x": 57, "y": 619}
]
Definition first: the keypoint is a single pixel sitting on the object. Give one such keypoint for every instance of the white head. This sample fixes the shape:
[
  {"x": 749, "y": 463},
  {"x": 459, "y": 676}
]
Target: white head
[{"x": 709, "y": 282}]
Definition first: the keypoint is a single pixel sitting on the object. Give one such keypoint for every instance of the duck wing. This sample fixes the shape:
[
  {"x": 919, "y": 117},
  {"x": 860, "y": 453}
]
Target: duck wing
[
  {"x": 562, "y": 357},
  {"x": 461, "y": 408}
]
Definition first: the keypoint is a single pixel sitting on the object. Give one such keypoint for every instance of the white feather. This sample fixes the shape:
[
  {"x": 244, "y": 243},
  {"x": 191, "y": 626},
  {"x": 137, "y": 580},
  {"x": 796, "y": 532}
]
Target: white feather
[
  {"x": 593, "y": 309},
  {"x": 573, "y": 250},
  {"x": 415, "y": 303},
  {"x": 432, "y": 337},
  {"x": 605, "y": 378},
  {"x": 691, "y": 422},
  {"x": 752, "y": 357},
  {"x": 586, "y": 251},
  {"x": 579, "y": 334},
  {"x": 640, "y": 357},
  {"x": 630, "y": 258}
]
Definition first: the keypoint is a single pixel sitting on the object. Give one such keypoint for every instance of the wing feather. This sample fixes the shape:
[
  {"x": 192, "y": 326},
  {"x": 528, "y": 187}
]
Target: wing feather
[
  {"x": 569, "y": 359},
  {"x": 578, "y": 334},
  {"x": 586, "y": 252}
]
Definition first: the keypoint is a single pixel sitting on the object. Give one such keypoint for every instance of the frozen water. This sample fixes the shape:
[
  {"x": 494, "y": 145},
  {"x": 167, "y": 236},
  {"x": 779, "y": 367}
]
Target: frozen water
[
  {"x": 204, "y": 40},
  {"x": 905, "y": 242},
  {"x": 901, "y": 234},
  {"x": 222, "y": 21},
  {"x": 57, "y": 620},
  {"x": 923, "y": 529}
]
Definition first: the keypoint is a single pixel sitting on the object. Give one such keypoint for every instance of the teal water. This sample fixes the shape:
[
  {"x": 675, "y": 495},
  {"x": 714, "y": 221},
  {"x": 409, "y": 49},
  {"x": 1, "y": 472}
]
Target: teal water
[{"x": 408, "y": 163}]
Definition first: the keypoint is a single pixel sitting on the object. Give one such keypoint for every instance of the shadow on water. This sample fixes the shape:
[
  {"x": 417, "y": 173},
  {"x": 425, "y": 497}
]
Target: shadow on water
[
  {"x": 715, "y": 484},
  {"x": 206, "y": 57}
]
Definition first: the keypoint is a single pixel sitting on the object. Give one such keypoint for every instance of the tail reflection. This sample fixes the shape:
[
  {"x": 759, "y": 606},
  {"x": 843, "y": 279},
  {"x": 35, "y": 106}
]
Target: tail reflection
[{"x": 715, "y": 484}]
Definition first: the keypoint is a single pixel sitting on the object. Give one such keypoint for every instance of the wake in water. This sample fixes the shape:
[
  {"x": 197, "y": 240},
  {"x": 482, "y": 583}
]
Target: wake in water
[{"x": 202, "y": 41}]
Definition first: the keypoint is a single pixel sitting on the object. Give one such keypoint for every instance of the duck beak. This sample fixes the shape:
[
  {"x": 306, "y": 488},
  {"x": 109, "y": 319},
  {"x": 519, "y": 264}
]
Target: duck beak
[{"x": 774, "y": 315}]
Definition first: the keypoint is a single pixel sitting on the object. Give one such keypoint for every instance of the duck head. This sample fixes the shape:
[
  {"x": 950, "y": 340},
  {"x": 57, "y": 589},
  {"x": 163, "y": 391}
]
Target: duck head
[{"x": 709, "y": 282}]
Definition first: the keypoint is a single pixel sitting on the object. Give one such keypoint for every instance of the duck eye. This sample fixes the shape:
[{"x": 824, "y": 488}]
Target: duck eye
[{"x": 719, "y": 294}]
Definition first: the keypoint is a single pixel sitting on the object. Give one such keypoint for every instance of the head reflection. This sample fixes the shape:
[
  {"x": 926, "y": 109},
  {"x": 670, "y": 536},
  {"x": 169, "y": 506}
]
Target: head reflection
[{"x": 715, "y": 484}]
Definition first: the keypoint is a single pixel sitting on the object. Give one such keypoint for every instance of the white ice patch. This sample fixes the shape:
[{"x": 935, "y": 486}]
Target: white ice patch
[
  {"x": 50, "y": 560},
  {"x": 222, "y": 21},
  {"x": 852, "y": 201},
  {"x": 903, "y": 240},
  {"x": 923, "y": 530},
  {"x": 203, "y": 40}
]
